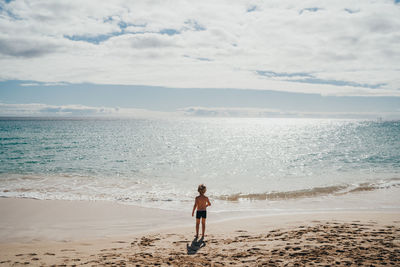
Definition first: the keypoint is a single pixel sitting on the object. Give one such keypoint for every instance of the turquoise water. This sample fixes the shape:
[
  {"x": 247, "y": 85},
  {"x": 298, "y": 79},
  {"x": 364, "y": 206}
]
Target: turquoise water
[{"x": 163, "y": 160}]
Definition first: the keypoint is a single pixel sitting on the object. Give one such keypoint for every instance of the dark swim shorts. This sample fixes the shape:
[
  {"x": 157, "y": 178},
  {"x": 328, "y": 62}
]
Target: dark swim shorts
[{"x": 201, "y": 213}]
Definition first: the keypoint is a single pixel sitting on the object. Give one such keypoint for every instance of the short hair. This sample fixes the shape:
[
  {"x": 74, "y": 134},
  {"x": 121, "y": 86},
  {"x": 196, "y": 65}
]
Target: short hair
[{"x": 202, "y": 189}]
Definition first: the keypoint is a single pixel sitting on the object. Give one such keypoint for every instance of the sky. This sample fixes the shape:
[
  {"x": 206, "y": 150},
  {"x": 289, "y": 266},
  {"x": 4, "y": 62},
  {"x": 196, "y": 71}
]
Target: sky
[{"x": 200, "y": 58}]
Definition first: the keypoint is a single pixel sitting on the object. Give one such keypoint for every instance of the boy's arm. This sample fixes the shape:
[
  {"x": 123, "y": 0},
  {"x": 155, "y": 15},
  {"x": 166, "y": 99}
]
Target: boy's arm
[
  {"x": 208, "y": 202},
  {"x": 194, "y": 206}
]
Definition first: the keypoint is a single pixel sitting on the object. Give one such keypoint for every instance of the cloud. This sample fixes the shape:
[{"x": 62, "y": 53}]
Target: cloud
[
  {"x": 276, "y": 113},
  {"x": 302, "y": 77},
  {"x": 349, "y": 47},
  {"x": 42, "y": 110},
  {"x": 232, "y": 112},
  {"x": 150, "y": 41},
  {"x": 43, "y": 84},
  {"x": 26, "y": 47}
]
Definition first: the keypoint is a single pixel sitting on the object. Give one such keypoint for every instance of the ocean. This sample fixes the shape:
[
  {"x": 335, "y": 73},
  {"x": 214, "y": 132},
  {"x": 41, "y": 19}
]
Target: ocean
[{"x": 246, "y": 163}]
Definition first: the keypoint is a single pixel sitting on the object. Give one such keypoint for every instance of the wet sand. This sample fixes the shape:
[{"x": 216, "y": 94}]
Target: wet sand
[{"x": 366, "y": 238}]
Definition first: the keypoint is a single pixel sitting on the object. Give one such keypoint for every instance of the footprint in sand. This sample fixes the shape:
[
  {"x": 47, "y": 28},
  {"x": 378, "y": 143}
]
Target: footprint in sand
[{"x": 49, "y": 254}]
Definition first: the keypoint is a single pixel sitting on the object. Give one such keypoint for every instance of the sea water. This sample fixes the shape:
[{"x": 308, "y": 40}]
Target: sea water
[{"x": 246, "y": 163}]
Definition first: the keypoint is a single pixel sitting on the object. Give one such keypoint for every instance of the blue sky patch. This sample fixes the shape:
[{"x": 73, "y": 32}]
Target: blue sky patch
[
  {"x": 169, "y": 31},
  {"x": 104, "y": 37},
  {"x": 204, "y": 59},
  {"x": 108, "y": 19},
  {"x": 8, "y": 12},
  {"x": 93, "y": 39},
  {"x": 194, "y": 25},
  {"x": 199, "y": 58},
  {"x": 268, "y": 73},
  {"x": 338, "y": 83},
  {"x": 310, "y": 9},
  {"x": 172, "y": 99},
  {"x": 351, "y": 11},
  {"x": 123, "y": 25},
  {"x": 252, "y": 9}
]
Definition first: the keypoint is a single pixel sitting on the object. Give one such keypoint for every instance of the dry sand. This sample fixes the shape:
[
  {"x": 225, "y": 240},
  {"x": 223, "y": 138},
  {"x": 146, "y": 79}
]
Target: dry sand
[{"x": 62, "y": 233}]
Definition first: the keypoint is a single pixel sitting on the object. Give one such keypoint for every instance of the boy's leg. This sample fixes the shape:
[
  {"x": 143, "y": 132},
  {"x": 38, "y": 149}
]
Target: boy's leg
[
  {"x": 203, "y": 226},
  {"x": 197, "y": 227}
]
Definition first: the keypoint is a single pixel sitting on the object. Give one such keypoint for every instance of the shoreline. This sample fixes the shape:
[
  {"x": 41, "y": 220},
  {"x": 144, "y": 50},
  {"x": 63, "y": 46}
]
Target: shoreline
[
  {"x": 80, "y": 233},
  {"x": 33, "y": 219}
]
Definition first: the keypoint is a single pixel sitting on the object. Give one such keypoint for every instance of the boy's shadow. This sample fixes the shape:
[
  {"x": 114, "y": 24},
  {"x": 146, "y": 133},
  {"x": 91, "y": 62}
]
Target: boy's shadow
[{"x": 195, "y": 246}]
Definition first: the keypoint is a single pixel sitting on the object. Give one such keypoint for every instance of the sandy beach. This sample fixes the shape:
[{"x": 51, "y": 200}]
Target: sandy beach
[
  {"x": 73, "y": 233},
  {"x": 124, "y": 124}
]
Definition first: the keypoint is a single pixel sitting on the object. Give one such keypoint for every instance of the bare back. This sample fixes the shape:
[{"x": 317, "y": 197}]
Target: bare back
[{"x": 202, "y": 202}]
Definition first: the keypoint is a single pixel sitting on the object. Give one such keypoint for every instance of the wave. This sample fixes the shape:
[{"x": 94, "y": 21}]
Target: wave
[
  {"x": 127, "y": 190},
  {"x": 313, "y": 192}
]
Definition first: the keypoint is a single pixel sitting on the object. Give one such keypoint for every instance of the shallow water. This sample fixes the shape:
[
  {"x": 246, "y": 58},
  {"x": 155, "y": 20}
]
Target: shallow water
[{"x": 160, "y": 162}]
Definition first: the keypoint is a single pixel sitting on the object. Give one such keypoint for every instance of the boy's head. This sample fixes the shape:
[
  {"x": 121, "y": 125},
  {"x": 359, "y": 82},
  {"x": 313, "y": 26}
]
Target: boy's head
[{"x": 202, "y": 189}]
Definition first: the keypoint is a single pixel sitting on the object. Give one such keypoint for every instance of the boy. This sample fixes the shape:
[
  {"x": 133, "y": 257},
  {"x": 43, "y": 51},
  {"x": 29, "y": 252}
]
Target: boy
[{"x": 201, "y": 203}]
